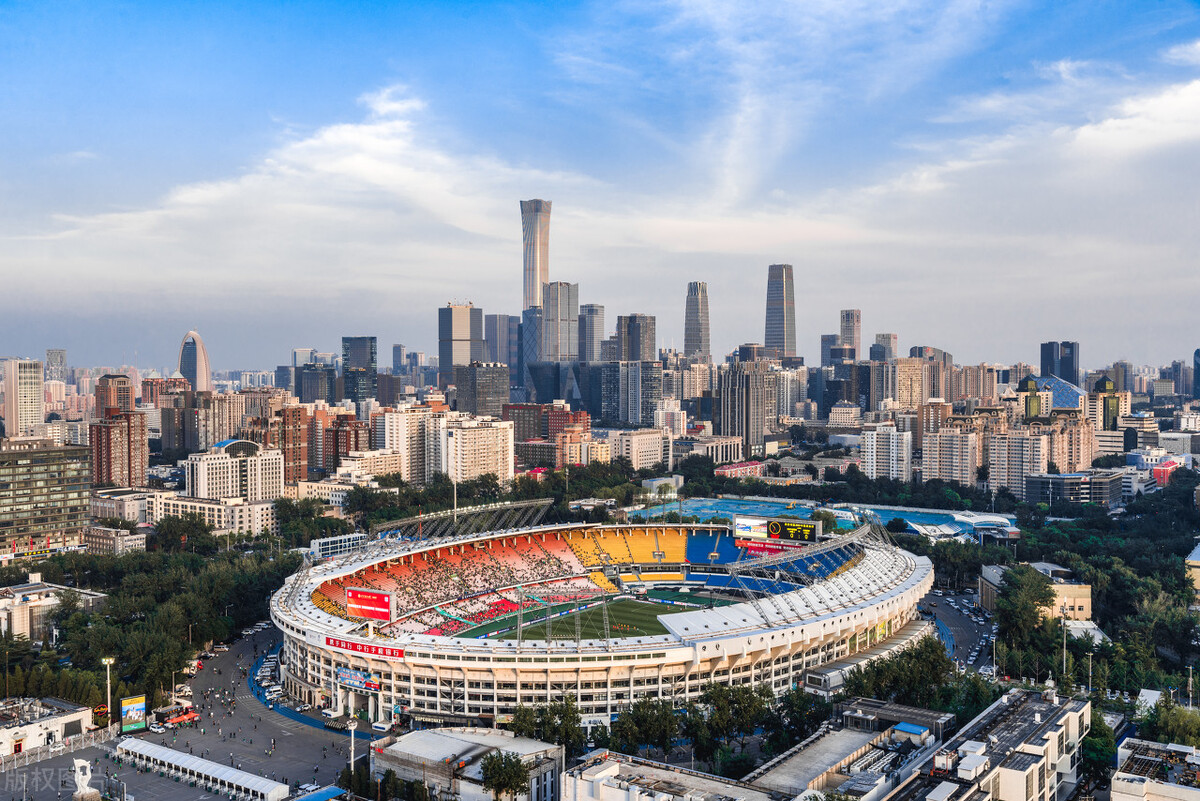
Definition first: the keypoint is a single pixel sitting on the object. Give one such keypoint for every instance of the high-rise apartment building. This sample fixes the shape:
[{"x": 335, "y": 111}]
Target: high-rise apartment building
[
  {"x": 630, "y": 392},
  {"x": 695, "y": 323},
  {"x": 911, "y": 382},
  {"x": 535, "y": 236},
  {"x": 235, "y": 469},
  {"x": 560, "y": 322},
  {"x": 851, "y": 331},
  {"x": 636, "y": 338},
  {"x": 482, "y": 388},
  {"x": 119, "y": 449},
  {"x": 114, "y": 391},
  {"x": 56, "y": 364},
  {"x": 931, "y": 416},
  {"x": 24, "y": 396},
  {"x": 460, "y": 339},
  {"x": 950, "y": 455},
  {"x": 465, "y": 448},
  {"x": 1015, "y": 455},
  {"x": 360, "y": 352},
  {"x": 781, "y": 310},
  {"x": 591, "y": 331},
  {"x": 1062, "y": 359},
  {"x": 887, "y": 453},
  {"x": 193, "y": 362},
  {"x": 45, "y": 491}
]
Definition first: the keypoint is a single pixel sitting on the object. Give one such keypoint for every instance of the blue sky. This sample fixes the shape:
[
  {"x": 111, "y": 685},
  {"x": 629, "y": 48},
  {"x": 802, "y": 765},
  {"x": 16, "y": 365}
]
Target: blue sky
[{"x": 979, "y": 176}]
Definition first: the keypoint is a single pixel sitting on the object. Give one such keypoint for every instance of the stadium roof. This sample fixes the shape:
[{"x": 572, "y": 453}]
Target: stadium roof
[{"x": 205, "y": 767}]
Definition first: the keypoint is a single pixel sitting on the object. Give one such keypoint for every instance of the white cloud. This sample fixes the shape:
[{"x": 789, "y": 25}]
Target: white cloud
[{"x": 1186, "y": 54}]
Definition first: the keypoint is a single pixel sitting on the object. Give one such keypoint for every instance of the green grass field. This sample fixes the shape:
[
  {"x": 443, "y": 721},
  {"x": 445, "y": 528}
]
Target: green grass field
[{"x": 627, "y": 618}]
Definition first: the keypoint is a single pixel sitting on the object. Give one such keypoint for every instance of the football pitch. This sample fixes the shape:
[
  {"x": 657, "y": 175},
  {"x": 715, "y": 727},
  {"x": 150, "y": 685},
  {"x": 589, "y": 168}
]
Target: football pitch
[{"x": 627, "y": 618}]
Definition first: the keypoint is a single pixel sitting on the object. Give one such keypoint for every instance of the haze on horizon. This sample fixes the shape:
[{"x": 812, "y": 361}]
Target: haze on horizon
[{"x": 977, "y": 177}]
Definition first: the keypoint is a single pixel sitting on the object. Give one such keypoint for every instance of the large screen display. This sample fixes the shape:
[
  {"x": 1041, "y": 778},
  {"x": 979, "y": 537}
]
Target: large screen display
[
  {"x": 133, "y": 713},
  {"x": 370, "y": 604}
]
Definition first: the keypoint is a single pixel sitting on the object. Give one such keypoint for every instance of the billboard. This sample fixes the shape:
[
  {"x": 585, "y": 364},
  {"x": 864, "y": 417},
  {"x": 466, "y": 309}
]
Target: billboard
[
  {"x": 357, "y": 679},
  {"x": 371, "y": 604},
  {"x": 133, "y": 713},
  {"x": 785, "y": 531}
]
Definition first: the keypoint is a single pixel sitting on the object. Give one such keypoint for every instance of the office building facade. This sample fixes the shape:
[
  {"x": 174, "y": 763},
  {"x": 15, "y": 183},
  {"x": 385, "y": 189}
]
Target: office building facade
[
  {"x": 46, "y": 488},
  {"x": 56, "y": 364},
  {"x": 851, "y": 331},
  {"x": 193, "y": 362},
  {"x": 482, "y": 388},
  {"x": 360, "y": 353},
  {"x": 696, "y": 345},
  {"x": 591, "y": 331},
  {"x": 235, "y": 469},
  {"x": 636, "y": 340},
  {"x": 780, "y": 330},
  {"x": 460, "y": 339},
  {"x": 1061, "y": 359},
  {"x": 560, "y": 322}
]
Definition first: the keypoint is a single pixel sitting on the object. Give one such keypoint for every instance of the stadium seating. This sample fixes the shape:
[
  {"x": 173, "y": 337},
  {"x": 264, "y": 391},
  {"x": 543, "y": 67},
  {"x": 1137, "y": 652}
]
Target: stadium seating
[
  {"x": 601, "y": 581},
  {"x": 586, "y": 549},
  {"x": 641, "y": 546},
  {"x": 616, "y": 545},
  {"x": 674, "y": 545},
  {"x": 700, "y": 544}
]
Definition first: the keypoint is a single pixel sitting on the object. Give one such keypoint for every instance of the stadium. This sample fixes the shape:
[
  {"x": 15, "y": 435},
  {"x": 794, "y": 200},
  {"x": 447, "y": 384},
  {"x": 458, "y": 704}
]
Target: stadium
[{"x": 460, "y": 628}]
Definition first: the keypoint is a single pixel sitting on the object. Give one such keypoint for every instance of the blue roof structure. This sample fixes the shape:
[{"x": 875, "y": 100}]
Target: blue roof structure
[
  {"x": 1063, "y": 394},
  {"x": 324, "y": 794},
  {"x": 911, "y": 728}
]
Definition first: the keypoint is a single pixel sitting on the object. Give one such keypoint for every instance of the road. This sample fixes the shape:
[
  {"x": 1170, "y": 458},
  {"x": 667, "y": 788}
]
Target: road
[
  {"x": 968, "y": 635},
  {"x": 243, "y": 729}
]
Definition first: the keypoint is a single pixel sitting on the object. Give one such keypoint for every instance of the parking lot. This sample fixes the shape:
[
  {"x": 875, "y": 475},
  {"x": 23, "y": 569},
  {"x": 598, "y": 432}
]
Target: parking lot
[
  {"x": 970, "y": 627},
  {"x": 236, "y": 729}
]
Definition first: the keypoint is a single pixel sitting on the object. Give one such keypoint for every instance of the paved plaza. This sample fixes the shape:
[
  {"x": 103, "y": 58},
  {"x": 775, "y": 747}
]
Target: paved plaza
[{"x": 242, "y": 727}]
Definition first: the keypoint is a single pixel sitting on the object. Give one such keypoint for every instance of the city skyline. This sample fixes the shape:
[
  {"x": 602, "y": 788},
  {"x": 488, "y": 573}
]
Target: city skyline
[{"x": 399, "y": 175}]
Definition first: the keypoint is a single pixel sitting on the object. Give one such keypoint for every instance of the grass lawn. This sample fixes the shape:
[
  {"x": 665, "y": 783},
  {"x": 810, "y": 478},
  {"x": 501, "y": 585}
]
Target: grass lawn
[{"x": 627, "y": 618}]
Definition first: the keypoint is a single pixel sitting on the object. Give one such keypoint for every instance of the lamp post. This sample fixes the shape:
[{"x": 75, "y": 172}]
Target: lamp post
[
  {"x": 1063, "y": 609},
  {"x": 352, "y": 724},
  {"x": 1089, "y": 672},
  {"x": 108, "y": 663}
]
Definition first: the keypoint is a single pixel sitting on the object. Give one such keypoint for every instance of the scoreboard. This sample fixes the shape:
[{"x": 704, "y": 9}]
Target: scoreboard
[{"x": 773, "y": 534}]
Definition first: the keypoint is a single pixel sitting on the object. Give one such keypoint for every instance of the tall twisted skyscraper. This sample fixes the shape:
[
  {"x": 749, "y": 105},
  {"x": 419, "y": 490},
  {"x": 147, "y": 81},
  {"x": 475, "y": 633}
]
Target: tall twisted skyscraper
[
  {"x": 781, "y": 310},
  {"x": 535, "y": 233},
  {"x": 695, "y": 323},
  {"x": 193, "y": 362}
]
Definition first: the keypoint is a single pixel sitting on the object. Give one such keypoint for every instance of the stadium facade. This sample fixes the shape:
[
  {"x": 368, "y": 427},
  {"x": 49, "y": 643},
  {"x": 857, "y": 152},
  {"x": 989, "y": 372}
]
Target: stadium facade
[{"x": 436, "y": 649}]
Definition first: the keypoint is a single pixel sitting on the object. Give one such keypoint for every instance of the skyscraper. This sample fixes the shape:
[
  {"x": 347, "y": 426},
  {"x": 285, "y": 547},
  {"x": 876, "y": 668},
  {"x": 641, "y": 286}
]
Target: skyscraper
[
  {"x": 360, "y": 353},
  {"x": 24, "y": 396},
  {"x": 303, "y": 356},
  {"x": 56, "y": 364},
  {"x": 891, "y": 342},
  {"x": 781, "y": 310},
  {"x": 398, "y": 361},
  {"x": 1061, "y": 359},
  {"x": 1196, "y": 374},
  {"x": 560, "y": 322},
  {"x": 482, "y": 388},
  {"x": 636, "y": 340},
  {"x": 742, "y": 392},
  {"x": 828, "y": 343},
  {"x": 591, "y": 331},
  {"x": 851, "y": 331},
  {"x": 193, "y": 362},
  {"x": 460, "y": 339},
  {"x": 119, "y": 448},
  {"x": 695, "y": 323},
  {"x": 500, "y": 341},
  {"x": 535, "y": 234}
]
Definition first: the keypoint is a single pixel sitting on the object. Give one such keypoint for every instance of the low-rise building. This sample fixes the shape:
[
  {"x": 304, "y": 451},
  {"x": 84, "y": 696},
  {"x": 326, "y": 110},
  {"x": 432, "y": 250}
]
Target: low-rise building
[
  {"x": 1024, "y": 747},
  {"x": 608, "y": 776},
  {"x": 226, "y": 516},
  {"x": 113, "y": 541},
  {"x": 25, "y": 608},
  {"x": 1101, "y": 487},
  {"x": 450, "y": 762},
  {"x": 741, "y": 470},
  {"x": 721, "y": 450},
  {"x": 120, "y": 503},
  {"x": 1069, "y": 595},
  {"x": 1148, "y": 771},
  {"x": 30, "y": 723}
]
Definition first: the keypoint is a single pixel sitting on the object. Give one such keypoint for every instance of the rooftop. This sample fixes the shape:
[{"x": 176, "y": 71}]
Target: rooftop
[
  {"x": 1170, "y": 764},
  {"x": 21, "y": 711},
  {"x": 794, "y": 774},
  {"x": 666, "y": 782}
]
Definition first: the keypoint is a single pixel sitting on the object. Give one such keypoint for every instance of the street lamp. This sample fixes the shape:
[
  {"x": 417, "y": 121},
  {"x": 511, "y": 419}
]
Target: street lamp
[
  {"x": 108, "y": 663},
  {"x": 352, "y": 724}
]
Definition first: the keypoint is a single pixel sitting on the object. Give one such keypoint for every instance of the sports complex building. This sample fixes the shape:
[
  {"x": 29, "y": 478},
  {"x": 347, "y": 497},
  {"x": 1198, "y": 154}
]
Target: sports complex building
[{"x": 460, "y": 628}]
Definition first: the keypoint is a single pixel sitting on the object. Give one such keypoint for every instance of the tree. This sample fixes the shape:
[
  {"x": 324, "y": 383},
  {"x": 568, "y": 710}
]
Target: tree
[
  {"x": 1098, "y": 749},
  {"x": 828, "y": 519},
  {"x": 1019, "y": 607},
  {"x": 505, "y": 773},
  {"x": 524, "y": 722}
]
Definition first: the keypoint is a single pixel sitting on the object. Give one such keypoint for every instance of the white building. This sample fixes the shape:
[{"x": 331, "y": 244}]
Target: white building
[
  {"x": 643, "y": 447},
  {"x": 226, "y": 515},
  {"x": 113, "y": 541},
  {"x": 465, "y": 447},
  {"x": 671, "y": 417},
  {"x": 25, "y": 608},
  {"x": 121, "y": 503},
  {"x": 24, "y": 397},
  {"x": 886, "y": 452},
  {"x": 608, "y": 776},
  {"x": 403, "y": 431},
  {"x": 845, "y": 414},
  {"x": 235, "y": 469},
  {"x": 379, "y": 462},
  {"x": 32, "y": 723},
  {"x": 450, "y": 761}
]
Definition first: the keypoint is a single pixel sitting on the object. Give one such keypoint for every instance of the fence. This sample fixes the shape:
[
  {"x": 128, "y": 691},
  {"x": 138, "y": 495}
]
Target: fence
[{"x": 32, "y": 756}]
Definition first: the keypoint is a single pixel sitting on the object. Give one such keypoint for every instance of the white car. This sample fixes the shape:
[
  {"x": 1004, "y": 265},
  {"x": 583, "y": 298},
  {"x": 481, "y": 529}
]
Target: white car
[{"x": 154, "y": 727}]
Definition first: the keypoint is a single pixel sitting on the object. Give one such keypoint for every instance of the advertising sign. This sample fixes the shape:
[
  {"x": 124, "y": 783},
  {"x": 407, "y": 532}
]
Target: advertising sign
[
  {"x": 371, "y": 604},
  {"x": 133, "y": 713},
  {"x": 384, "y": 651},
  {"x": 773, "y": 534},
  {"x": 357, "y": 679}
]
